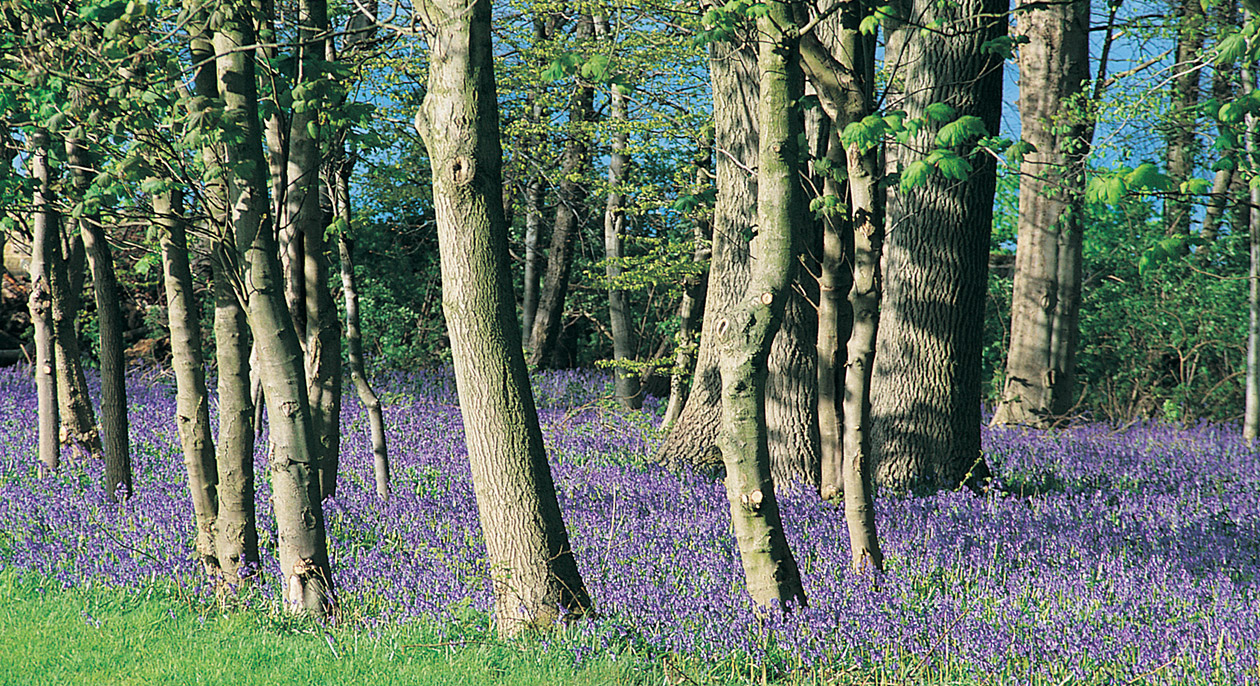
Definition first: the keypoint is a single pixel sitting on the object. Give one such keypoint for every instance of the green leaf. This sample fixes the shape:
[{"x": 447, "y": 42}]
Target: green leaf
[
  {"x": 954, "y": 167},
  {"x": 939, "y": 112},
  {"x": 960, "y": 131},
  {"x": 1231, "y": 112},
  {"x": 1230, "y": 49},
  {"x": 869, "y": 25},
  {"x": 1196, "y": 186},
  {"x": 915, "y": 175},
  {"x": 596, "y": 68},
  {"x": 1148, "y": 176}
]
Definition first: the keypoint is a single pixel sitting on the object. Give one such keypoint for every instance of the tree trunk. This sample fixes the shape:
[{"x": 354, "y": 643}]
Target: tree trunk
[
  {"x": 843, "y": 73},
  {"x": 354, "y": 340},
  {"x": 791, "y": 386},
  {"x": 925, "y": 390},
  {"x": 627, "y": 387},
  {"x": 43, "y": 244},
  {"x": 526, "y": 542},
  {"x": 744, "y": 336},
  {"x": 117, "y": 441},
  {"x": 317, "y": 323},
  {"x": 302, "y": 547},
  {"x": 1046, "y": 296},
  {"x": 692, "y": 305},
  {"x": 833, "y": 315},
  {"x": 535, "y": 195},
  {"x": 570, "y": 208},
  {"x": 78, "y": 420},
  {"x": 1251, "y": 410},
  {"x": 1183, "y": 114},
  {"x": 192, "y": 406},
  {"x": 1224, "y": 91}
]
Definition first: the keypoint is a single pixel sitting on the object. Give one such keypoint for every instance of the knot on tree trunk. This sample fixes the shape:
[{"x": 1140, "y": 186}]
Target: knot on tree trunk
[
  {"x": 462, "y": 170},
  {"x": 752, "y": 501}
]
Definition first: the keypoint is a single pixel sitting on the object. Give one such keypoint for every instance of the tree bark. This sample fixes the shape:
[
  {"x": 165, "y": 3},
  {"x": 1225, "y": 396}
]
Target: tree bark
[
  {"x": 1251, "y": 409},
  {"x": 570, "y": 208},
  {"x": 692, "y": 305},
  {"x": 925, "y": 391},
  {"x": 528, "y": 548},
  {"x": 744, "y": 336},
  {"x": 192, "y": 406},
  {"x": 535, "y": 195},
  {"x": 626, "y": 386},
  {"x": 1223, "y": 90},
  {"x": 1046, "y": 296},
  {"x": 1183, "y": 114},
  {"x": 302, "y": 546},
  {"x": 791, "y": 393},
  {"x": 117, "y": 441},
  {"x": 354, "y": 339},
  {"x": 43, "y": 244},
  {"x": 78, "y": 420}
]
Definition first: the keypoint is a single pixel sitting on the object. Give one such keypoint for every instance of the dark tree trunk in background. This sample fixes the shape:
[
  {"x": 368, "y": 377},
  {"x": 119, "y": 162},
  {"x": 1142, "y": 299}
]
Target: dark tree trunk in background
[
  {"x": 1046, "y": 296},
  {"x": 528, "y": 548},
  {"x": 302, "y": 546},
  {"x": 192, "y": 405},
  {"x": 570, "y": 215},
  {"x": 744, "y": 335},
  {"x": 1223, "y": 89},
  {"x": 43, "y": 245},
  {"x": 925, "y": 391},
  {"x": 535, "y": 197},
  {"x": 113, "y": 364},
  {"x": 78, "y": 420},
  {"x": 1183, "y": 114},
  {"x": 627, "y": 387},
  {"x": 354, "y": 339},
  {"x": 692, "y": 305},
  {"x": 791, "y": 385}
]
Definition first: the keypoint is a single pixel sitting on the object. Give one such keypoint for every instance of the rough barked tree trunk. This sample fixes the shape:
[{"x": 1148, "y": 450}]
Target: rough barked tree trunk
[
  {"x": 745, "y": 334},
  {"x": 317, "y": 323},
  {"x": 114, "y": 428},
  {"x": 354, "y": 339},
  {"x": 43, "y": 243},
  {"x": 791, "y": 386},
  {"x": 925, "y": 393},
  {"x": 1046, "y": 295},
  {"x": 570, "y": 216},
  {"x": 192, "y": 405},
  {"x": 626, "y": 386},
  {"x": 1182, "y": 116},
  {"x": 294, "y": 451},
  {"x": 533, "y": 567}
]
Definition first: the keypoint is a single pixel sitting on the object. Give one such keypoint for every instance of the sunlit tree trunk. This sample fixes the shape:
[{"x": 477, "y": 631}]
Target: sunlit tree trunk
[
  {"x": 192, "y": 404},
  {"x": 294, "y": 450},
  {"x": 926, "y": 388},
  {"x": 1183, "y": 117},
  {"x": 1046, "y": 296},
  {"x": 533, "y": 567},
  {"x": 43, "y": 243},
  {"x": 1251, "y": 410},
  {"x": 78, "y": 420}
]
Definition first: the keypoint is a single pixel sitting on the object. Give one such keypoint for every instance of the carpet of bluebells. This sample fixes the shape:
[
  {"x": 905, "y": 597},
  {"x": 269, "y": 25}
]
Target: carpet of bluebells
[{"x": 1129, "y": 552}]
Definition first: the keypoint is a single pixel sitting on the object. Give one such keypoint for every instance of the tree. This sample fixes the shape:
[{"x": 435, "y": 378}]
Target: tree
[
  {"x": 744, "y": 335},
  {"x": 43, "y": 245},
  {"x": 1183, "y": 117},
  {"x": 791, "y": 383},
  {"x": 1045, "y": 305},
  {"x": 532, "y": 564},
  {"x": 925, "y": 392},
  {"x": 303, "y": 552}
]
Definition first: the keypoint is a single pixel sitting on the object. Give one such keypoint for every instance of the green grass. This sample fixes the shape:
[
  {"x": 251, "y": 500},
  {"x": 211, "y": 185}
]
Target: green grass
[{"x": 113, "y": 636}]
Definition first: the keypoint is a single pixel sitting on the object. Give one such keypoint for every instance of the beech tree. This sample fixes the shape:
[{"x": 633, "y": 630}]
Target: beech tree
[{"x": 532, "y": 565}]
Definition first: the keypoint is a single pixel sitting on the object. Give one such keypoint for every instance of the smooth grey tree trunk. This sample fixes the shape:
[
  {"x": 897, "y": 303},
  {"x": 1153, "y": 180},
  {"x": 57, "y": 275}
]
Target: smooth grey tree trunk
[
  {"x": 294, "y": 452},
  {"x": 43, "y": 243},
  {"x": 690, "y": 310},
  {"x": 114, "y": 425},
  {"x": 533, "y": 567},
  {"x": 1046, "y": 294},
  {"x": 745, "y": 334},
  {"x": 1251, "y": 409},
  {"x": 843, "y": 73},
  {"x": 192, "y": 405},
  {"x": 791, "y": 387},
  {"x": 354, "y": 339},
  {"x": 926, "y": 388}
]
